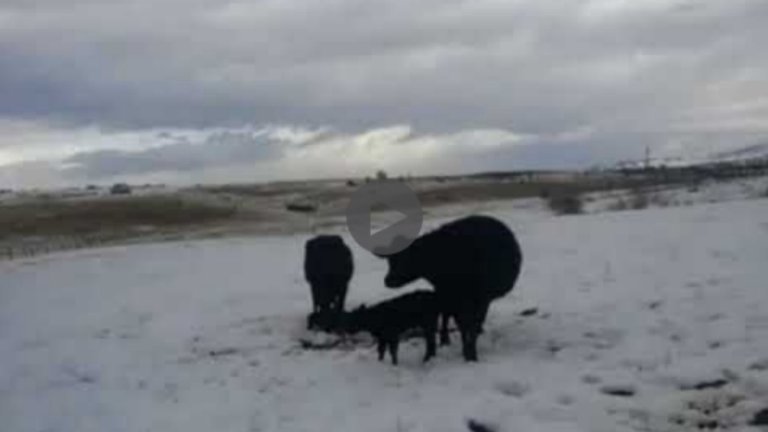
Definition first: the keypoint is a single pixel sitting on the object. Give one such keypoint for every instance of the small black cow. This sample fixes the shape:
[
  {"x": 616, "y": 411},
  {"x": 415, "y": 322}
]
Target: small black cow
[
  {"x": 328, "y": 268},
  {"x": 470, "y": 262},
  {"x": 387, "y": 320}
]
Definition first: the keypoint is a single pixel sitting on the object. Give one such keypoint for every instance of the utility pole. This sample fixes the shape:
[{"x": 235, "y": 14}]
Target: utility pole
[{"x": 647, "y": 157}]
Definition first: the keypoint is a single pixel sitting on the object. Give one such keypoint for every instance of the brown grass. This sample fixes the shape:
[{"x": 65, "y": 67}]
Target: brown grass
[
  {"x": 565, "y": 202},
  {"x": 260, "y": 190},
  {"x": 639, "y": 199},
  {"x": 484, "y": 190},
  {"x": 47, "y": 217}
]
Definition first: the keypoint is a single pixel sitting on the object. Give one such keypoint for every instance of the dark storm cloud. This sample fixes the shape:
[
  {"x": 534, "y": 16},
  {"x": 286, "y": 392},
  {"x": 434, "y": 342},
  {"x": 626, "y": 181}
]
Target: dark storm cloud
[
  {"x": 668, "y": 74},
  {"x": 533, "y": 66}
]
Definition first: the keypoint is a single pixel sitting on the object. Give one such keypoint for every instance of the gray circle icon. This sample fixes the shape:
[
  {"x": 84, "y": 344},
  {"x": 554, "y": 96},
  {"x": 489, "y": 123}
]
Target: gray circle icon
[{"x": 398, "y": 216}]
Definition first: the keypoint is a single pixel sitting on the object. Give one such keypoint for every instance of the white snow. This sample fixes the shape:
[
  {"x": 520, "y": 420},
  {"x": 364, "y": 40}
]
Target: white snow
[
  {"x": 204, "y": 336},
  {"x": 711, "y": 191}
]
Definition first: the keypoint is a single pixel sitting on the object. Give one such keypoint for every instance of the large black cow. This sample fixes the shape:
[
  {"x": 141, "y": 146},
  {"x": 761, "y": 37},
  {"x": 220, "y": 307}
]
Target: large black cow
[
  {"x": 328, "y": 268},
  {"x": 470, "y": 262}
]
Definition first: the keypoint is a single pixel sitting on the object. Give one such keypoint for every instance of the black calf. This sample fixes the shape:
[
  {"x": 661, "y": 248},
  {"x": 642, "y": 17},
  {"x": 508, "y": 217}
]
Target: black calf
[{"x": 387, "y": 320}]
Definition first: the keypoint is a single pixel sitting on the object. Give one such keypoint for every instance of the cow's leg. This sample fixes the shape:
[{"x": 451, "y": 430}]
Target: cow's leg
[
  {"x": 338, "y": 301},
  {"x": 445, "y": 338},
  {"x": 321, "y": 299},
  {"x": 393, "y": 345},
  {"x": 469, "y": 345},
  {"x": 315, "y": 299},
  {"x": 338, "y": 307},
  {"x": 321, "y": 318},
  {"x": 382, "y": 349},
  {"x": 330, "y": 313},
  {"x": 445, "y": 313},
  {"x": 429, "y": 335},
  {"x": 467, "y": 320},
  {"x": 342, "y": 298},
  {"x": 477, "y": 318},
  {"x": 483, "y": 313}
]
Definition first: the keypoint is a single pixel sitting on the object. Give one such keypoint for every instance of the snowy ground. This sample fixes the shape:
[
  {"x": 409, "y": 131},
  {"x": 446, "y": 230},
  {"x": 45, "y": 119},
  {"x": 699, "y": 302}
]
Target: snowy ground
[
  {"x": 711, "y": 192},
  {"x": 204, "y": 336}
]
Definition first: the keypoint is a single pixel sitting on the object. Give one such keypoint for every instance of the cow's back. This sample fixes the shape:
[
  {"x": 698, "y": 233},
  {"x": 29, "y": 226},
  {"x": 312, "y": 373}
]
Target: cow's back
[
  {"x": 327, "y": 257},
  {"x": 476, "y": 253}
]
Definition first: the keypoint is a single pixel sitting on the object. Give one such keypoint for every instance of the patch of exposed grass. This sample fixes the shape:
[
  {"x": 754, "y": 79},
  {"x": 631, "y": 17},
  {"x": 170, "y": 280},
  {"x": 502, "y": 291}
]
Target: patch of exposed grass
[
  {"x": 618, "y": 205},
  {"x": 565, "y": 202},
  {"x": 58, "y": 217},
  {"x": 260, "y": 190},
  {"x": 484, "y": 190},
  {"x": 639, "y": 199}
]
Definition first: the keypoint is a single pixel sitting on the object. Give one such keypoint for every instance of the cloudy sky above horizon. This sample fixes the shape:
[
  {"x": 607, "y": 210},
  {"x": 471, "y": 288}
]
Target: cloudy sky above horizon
[{"x": 192, "y": 91}]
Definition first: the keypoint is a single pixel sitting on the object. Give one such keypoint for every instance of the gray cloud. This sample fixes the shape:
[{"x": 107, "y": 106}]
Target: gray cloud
[
  {"x": 660, "y": 73},
  {"x": 218, "y": 149},
  {"x": 525, "y": 65}
]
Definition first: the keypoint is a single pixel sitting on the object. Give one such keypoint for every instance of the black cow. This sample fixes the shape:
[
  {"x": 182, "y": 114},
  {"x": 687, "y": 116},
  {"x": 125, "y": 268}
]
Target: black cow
[
  {"x": 328, "y": 268},
  {"x": 387, "y": 320},
  {"x": 470, "y": 262}
]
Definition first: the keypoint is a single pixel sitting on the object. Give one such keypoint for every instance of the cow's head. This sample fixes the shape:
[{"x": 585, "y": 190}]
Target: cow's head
[{"x": 404, "y": 267}]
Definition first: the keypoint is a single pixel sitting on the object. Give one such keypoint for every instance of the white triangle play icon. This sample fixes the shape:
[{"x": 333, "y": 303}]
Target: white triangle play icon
[{"x": 390, "y": 223}]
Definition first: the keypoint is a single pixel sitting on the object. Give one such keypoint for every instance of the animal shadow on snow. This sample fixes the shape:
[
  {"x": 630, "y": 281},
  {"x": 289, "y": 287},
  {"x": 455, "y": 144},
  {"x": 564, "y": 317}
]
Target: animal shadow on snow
[
  {"x": 318, "y": 341},
  {"x": 246, "y": 338},
  {"x": 508, "y": 333}
]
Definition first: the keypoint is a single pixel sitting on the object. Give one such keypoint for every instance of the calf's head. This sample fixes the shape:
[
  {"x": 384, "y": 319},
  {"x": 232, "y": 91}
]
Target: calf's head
[
  {"x": 357, "y": 320},
  {"x": 318, "y": 321},
  {"x": 327, "y": 321}
]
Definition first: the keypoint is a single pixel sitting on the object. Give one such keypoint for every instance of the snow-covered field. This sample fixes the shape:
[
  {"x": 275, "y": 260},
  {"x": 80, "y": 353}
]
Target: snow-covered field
[
  {"x": 675, "y": 196},
  {"x": 204, "y": 336}
]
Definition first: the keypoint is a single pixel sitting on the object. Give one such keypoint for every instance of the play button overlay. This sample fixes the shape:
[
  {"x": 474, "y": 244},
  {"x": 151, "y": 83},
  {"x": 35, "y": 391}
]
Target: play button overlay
[{"x": 384, "y": 216}]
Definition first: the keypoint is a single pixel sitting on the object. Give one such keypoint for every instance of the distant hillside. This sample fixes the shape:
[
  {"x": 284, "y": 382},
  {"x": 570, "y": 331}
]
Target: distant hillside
[{"x": 755, "y": 151}]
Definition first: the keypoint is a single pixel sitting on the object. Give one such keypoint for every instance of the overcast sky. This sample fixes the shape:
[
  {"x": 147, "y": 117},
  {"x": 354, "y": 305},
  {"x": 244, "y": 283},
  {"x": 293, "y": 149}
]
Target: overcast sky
[{"x": 208, "y": 90}]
